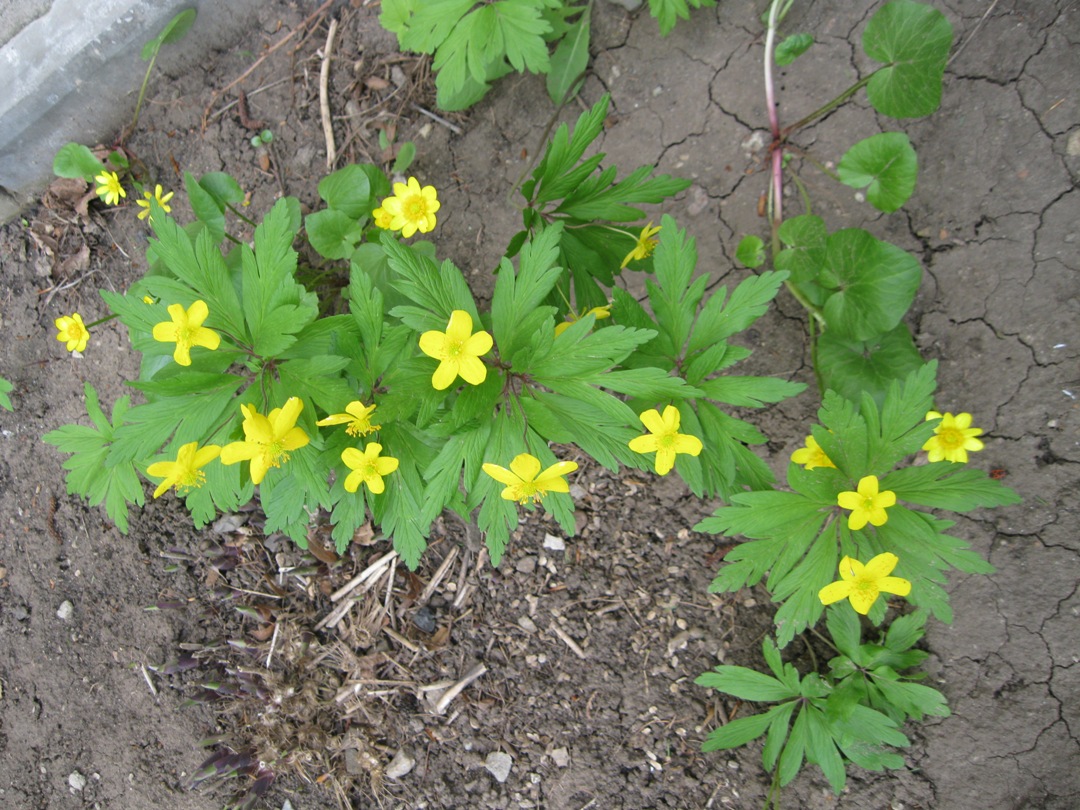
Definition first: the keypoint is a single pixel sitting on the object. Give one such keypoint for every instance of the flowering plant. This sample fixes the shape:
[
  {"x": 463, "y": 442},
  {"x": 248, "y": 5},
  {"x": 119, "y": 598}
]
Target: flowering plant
[{"x": 248, "y": 375}]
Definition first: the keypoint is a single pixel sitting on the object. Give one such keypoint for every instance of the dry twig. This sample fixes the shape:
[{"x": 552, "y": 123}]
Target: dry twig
[
  {"x": 324, "y": 97},
  {"x": 457, "y": 688}
]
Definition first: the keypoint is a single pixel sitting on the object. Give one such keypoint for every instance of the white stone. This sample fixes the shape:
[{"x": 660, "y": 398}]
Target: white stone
[
  {"x": 554, "y": 543},
  {"x": 76, "y": 781},
  {"x": 498, "y": 765},
  {"x": 561, "y": 757},
  {"x": 65, "y": 611},
  {"x": 400, "y": 765}
]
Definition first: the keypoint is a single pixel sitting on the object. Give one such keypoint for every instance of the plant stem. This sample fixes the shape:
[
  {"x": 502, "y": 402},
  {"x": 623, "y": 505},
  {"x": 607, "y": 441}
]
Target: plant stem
[
  {"x": 775, "y": 148},
  {"x": 100, "y": 321},
  {"x": 142, "y": 91},
  {"x": 826, "y": 108},
  {"x": 241, "y": 216}
]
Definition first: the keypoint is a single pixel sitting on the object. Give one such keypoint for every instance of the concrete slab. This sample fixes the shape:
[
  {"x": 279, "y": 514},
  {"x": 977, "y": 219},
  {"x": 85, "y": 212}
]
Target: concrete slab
[{"x": 71, "y": 69}]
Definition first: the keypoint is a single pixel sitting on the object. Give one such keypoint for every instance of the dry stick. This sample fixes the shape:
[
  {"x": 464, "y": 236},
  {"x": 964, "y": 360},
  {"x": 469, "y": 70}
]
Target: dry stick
[
  {"x": 324, "y": 97},
  {"x": 218, "y": 93},
  {"x": 364, "y": 575},
  {"x": 573, "y": 645},
  {"x": 970, "y": 36},
  {"x": 456, "y": 689},
  {"x": 440, "y": 574},
  {"x": 450, "y": 126}
]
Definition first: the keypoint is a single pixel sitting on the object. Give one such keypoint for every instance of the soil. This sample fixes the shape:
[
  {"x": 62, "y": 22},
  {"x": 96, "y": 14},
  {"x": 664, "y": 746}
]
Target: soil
[{"x": 590, "y": 652}]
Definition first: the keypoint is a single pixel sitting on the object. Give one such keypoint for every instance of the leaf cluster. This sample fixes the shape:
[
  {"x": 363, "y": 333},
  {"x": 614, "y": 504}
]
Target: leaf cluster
[
  {"x": 851, "y": 714},
  {"x": 795, "y": 539}
]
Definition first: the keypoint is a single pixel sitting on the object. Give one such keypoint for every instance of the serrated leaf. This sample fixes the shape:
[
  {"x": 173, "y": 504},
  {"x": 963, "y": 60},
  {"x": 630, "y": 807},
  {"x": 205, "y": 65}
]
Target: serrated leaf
[
  {"x": 739, "y": 731},
  {"x": 750, "y": 252},
  {"x": 515, "y": 305},
  {"x": 821, "y": 750},
  {"x": 666, "y": 11},
  {"x": 944, "y": 485},
  {"x": 843, "y": 624},
  {"x": 77, "y": 161},
  {"x": 746, "y": 684},
  {"x": 750, "y": 392},
  {"x": 206, "y": 208},
  {"x": 913, "y": 40},
  {"x": 874, "y": 282},
  {"x": 792, "y": 47},
  {"x": 885, "y": 165}
]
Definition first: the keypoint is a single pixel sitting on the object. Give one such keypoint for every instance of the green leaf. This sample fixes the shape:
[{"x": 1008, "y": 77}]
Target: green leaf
[
  {"x": 821, "y": 750},
  {"x": 792, "y": 47},
  {"x": 944, "y": 485},
  {"x": 354, "y": 190},
  {"x": 206, "y": 208},
  {"x": 746, "y": 684},
  {"x": 174, "y": 30},
  {"x": 718, "y": 321},
  {"x": 806, "y": 238},
  {"x": 77, "y": 161},
  {"x": 913, "y": 699},
  {"x": 792, "y": 757},
  {"x": 5, "y": 388},
  {"x": 569, "y": 61},
  {"x": 843, "y": 624},
  {"x": 404, "y": 159},
  {"x": 438, "y": 289},
  {"x": 750, "y": 392},
  {"x": 740, "y": 730},
  {"x": 222, "y": 187},
  {"x": 333, "y": 233},
  {"x": 750, "y": 252},
  {"x": 515, "y": 307},
  {"x": 885, "y": 165},
  {"x": 874, "y": 283},
  {"x": 854, "y": 367},
  {"x": 117, "y": 485},
  {"x": 913, "y": 41},
  {"x": 666, "y": 11}
]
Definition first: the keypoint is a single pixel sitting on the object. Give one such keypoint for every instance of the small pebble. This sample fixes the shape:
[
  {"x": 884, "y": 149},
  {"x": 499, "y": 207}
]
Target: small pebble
[
  {"x": 554, "y": 543},
  {"x": 526, "y": 624},
  {"x": 526, "y": 565},
  {"x": 400, "y": 765},
  {"x": 75, "y": 779},
  {"x": 561, "y": 757},
  {"x": 498, "y": 765},
  {"x": 65, "y": 611}
]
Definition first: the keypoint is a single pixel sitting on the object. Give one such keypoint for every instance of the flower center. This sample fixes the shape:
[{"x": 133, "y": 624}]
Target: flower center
[
  {"x": 951, "y": 438},
  {"x": 453, "y": 348},
  {"x": 866, "y": 586},
  {"x": 868, "y": 504},
  {"x": 527, "y": 491},
  {"x": 275, "y": 454},
  {"x": 666, "y": 440},
  {"x": 191, "y": 479},
  {"x": 415, "y": 208}
]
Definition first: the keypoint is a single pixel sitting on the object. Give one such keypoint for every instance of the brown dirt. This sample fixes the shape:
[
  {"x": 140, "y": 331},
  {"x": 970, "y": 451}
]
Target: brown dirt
[{"x": 995, "y": 221}]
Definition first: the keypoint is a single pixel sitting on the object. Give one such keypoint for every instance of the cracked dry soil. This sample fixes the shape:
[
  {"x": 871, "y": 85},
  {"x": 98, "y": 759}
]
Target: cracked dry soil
[{"x": 995, "y": 221}]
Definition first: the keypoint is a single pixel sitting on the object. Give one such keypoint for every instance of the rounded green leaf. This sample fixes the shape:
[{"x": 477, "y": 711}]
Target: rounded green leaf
[
  {"x": 850, "y": 367},
  {"x": 333, "y": 233},
  {"x": 913, "y": 41},
  {"x": 76, "y": 160},
  {"x": 222, "y": 187},
  {"x": 348, "y": 191},
  {"x": 750, "y": 252},
  {"x": 873, "y": 284},
  {"x": 885, "y": 165},
  {"x": 804, "y": 256}
]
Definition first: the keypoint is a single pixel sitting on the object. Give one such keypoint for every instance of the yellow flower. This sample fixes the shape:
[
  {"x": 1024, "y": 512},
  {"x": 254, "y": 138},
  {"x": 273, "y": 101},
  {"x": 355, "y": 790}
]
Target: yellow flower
[
  {"x": 412, "y": 208},
  {"x": 368, "y": 467},
  {"x": 812, "y": 455},
  {"x": 382, "y": 218},
  {"x": 524, "y": 480},
  {"x": 184, "y": 473},
  {"x": 72, "y": 331},
  {"x": 867, "y": 505},
  {"x": 664, "y": 438},
  {"x": 458, "y": 351},
  {"x": 186, "y": 330},
  {"x": 109, "y": 188},
  {"x": 267, "y": 439},
  {"x": 358, "y": 417},
  {"x": 571, "y": 317},
  {"x": 953, "y": 438},
  {"x": 149, "y": 299},
  {"x": 646, "y": 244},
  {"x": 862, "y": 584},
  {"x": 161, "y": 200}
]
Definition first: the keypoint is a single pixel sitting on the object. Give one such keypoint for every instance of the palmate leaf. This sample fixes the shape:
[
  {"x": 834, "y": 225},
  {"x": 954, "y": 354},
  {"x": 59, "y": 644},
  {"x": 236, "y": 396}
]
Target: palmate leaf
[
  {"x": 399, "y": 510},
  {"x": 276, "y": 307},
  {"x": 913, "y": 41},
  {"x": 438, "y": 289},
  {"x": 88, "y": 475},
  {"x": 944, "y": 485},
  {"x": 516, "y": 313},
  {"x": 885, "y": 165}
]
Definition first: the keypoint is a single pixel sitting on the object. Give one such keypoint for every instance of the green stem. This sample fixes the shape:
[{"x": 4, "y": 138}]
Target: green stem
[
  {"x": 241, "y": 216},
  {"x": 142, "y": 92},
  {"x": 826, "y": 108},
  {"x": 100, "y": 321}
]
